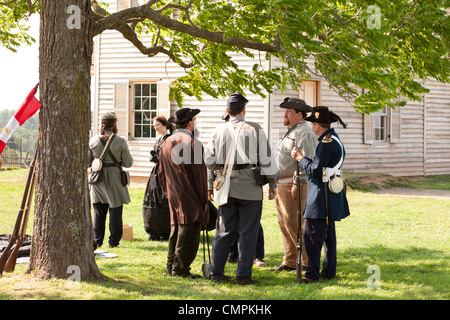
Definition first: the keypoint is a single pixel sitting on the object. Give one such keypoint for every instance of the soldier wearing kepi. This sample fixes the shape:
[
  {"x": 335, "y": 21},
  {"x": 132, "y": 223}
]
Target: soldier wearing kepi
[
  {"x": 242, "y": 211},
  {"x": 110, "y": 194},
  {"x": 327, "y": 201},
  {"x": 299, "y": 135}
]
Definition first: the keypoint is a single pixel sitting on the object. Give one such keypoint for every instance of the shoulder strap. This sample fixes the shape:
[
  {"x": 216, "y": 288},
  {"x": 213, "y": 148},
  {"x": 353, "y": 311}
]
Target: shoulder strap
[
  {"x": 231, "y": 152},
  {"x": 285, "y": 135},
  {"x": 117, "y": 163},
  {"x": 106, "y": 145},
  {"x": 337, "y": 168},
  {"x": 339, "y": 164}
]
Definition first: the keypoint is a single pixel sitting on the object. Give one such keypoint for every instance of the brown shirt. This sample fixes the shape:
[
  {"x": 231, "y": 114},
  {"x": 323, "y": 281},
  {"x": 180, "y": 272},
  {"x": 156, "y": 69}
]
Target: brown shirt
[{"x": 183, "y": 178}]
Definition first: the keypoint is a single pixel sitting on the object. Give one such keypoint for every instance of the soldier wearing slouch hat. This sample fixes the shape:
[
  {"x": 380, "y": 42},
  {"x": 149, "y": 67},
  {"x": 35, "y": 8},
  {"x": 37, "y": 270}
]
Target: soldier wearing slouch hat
[
  {"x": 299, "y": 135},
  {"x": 324, "y": 206}
]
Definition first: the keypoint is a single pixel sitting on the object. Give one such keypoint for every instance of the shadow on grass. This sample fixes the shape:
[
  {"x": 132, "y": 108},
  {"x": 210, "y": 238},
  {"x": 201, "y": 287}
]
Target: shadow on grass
[{"x": 405, "y": 273}]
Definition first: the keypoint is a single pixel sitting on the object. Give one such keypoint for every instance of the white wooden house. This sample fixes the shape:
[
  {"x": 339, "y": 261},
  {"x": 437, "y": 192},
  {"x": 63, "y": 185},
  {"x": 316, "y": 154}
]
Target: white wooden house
[{"x": 411, "y": 141}]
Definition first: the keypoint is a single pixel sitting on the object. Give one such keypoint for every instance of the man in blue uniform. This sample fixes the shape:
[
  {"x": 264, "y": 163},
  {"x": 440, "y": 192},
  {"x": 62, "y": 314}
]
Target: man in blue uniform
[{"x": 324, "y": 206}]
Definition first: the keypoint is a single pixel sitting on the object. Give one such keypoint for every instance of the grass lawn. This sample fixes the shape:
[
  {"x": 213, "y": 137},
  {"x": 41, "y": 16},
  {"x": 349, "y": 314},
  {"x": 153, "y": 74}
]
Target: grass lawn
[{"x": 406, "y": 239}]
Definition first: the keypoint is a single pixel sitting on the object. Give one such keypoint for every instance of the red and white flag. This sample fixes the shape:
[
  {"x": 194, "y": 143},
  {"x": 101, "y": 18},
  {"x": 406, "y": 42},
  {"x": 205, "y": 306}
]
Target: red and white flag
[{"x": 27, "y": 110}]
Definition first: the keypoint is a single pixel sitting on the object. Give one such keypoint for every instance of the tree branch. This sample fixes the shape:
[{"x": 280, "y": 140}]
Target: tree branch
[
  {"x": 116, "y": 20},
  {"x": 8, "y": 2},
  {"x": 131, "y": 36},
  {"x": 404, "y": 23},
  {"x": 97, "y": 8}
]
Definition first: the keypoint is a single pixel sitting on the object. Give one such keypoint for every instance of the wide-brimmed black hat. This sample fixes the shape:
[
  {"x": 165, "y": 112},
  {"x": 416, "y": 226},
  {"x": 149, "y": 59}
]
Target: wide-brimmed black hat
[
  {"x": 295, "y": 103},
  {"x": 236, "y": 102},
  {"x": 322, "y": 114},
  {"x": 184, "y": 115}
]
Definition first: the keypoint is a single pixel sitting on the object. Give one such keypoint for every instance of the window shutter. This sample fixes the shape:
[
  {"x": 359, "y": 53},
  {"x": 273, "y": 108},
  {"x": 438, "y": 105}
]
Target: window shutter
[
  {"x": 176, "y": 14},
  {"x": 368, "y": 128},
  {"x": 121, "y": 108},
  {"x": 394, "y": 125},
  {"x": 163, "y": 98},
  {"x": 122, "y": 5}
]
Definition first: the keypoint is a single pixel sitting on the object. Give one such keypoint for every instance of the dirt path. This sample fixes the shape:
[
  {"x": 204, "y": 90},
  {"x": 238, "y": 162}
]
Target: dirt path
[{"x": 403, "y": 192}]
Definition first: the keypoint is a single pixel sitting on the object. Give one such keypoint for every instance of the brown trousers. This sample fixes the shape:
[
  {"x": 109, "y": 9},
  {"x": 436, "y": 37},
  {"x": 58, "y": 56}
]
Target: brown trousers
[
  {"x": 288, "y": 222},
  {"x": 183, "y": 246}
]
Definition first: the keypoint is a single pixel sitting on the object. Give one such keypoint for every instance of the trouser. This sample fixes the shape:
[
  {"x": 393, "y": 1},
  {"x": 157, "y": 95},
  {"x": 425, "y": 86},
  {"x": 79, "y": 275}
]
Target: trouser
[
  {"x": 259, "y": 252},
  {"x": 317, "y": 234},
  {"x": 288, "y": 222},
  {"x": 183, "y": 246},
  {"x": 115, "y": 223},
  {"x": 243, "y": 217}
]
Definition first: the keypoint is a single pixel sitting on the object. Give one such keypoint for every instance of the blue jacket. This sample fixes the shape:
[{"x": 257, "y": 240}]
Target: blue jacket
[{"x": 327, "y": 155}]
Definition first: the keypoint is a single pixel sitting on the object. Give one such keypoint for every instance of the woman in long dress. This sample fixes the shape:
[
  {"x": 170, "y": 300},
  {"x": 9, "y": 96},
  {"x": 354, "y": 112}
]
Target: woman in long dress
[{"x": 155, "y": 210}]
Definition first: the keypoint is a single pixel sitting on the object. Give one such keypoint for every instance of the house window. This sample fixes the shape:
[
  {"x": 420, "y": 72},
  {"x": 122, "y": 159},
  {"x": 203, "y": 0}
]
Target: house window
[
  {"x": 145, "y": 102},
  {"x": 383, "y": 126},
  {"x": 379, "y": 125}
]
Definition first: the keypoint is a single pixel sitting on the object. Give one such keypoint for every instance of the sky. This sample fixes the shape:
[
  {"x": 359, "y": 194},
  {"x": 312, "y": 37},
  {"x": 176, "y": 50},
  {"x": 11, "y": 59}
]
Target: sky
[{"x": 19, "y": 72}]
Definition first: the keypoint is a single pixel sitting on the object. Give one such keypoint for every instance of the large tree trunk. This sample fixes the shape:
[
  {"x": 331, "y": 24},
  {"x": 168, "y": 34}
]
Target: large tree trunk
[{"x": 63, "y": 237}]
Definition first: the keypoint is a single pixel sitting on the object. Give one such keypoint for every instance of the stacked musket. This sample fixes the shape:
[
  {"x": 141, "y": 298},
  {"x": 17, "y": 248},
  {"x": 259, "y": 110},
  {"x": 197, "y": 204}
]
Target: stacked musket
[{"x": 9, "y": 256}]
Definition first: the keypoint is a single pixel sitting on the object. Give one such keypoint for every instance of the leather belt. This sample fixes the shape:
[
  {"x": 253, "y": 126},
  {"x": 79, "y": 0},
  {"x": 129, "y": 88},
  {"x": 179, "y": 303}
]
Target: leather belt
[
  {"x": 107, "y": 165},
  {"x": 241, "y": 166}
]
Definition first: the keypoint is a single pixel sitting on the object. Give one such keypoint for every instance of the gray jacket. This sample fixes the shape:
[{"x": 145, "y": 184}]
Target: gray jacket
[
  {"x": 110, "y": 190},
  {"x": 252, "y": 146},
  {"x": 300, "y": 136}
]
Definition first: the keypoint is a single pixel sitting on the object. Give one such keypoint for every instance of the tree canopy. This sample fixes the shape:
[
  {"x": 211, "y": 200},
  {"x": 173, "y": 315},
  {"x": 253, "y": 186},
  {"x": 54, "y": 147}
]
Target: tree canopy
[
  {"x": 13, "y": 30},
  {"x": 371, "y": 54},
  {"x": 384, "y": 48}
]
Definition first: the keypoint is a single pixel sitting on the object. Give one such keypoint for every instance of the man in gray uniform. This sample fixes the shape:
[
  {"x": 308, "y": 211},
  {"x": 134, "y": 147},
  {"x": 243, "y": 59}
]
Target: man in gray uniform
[
  {"x": 299, "y": 135},
  {"x": 242, "y": 212},
  {"x": 109, "y": 194}
]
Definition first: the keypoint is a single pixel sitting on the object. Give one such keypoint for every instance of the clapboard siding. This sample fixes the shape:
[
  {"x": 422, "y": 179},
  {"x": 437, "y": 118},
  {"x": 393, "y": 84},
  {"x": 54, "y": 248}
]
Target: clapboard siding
[
  {"x": 437, "y": 124},
  {"x": 120, "y": 63},
  {"x": 403, "y": 158},
  {"x": 421, "y": 147}
]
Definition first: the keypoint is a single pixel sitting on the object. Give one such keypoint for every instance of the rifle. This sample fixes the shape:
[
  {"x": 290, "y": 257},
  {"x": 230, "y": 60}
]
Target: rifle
[
  {"x": 299, "y": 230},
  {"x": 19, "y": 233},
  {"x": 11, "y": 263},
  {"x": 206, "y": 264},
  {"x": 325, "y": 181}
]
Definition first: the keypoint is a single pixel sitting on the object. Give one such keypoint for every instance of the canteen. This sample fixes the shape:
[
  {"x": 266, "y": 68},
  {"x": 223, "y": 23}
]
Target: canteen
[
  {"x": 336, "y": 184},
  {"x": 96, "y": 165}
]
